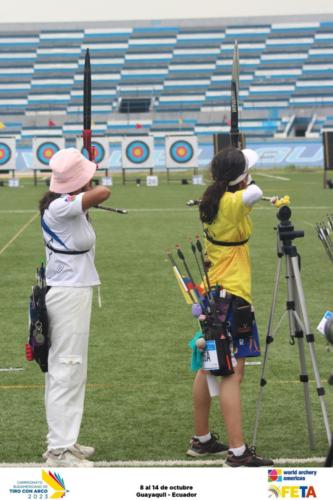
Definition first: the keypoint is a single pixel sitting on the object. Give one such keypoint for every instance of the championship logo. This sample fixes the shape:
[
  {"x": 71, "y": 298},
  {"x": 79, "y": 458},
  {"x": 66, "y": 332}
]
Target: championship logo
[{"x": 56, "y": 482}]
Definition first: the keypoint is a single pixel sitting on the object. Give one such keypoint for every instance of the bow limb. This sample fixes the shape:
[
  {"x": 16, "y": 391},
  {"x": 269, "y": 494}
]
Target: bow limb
[{"x": 234, "y": 127}]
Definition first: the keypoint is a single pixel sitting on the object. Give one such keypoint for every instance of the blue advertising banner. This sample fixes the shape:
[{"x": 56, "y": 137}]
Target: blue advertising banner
[{"x": 272, "y": 153}]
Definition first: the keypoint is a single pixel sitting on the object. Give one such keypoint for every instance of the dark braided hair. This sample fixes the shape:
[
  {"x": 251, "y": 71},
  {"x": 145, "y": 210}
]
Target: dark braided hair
[{"x": 226, "y": 166}]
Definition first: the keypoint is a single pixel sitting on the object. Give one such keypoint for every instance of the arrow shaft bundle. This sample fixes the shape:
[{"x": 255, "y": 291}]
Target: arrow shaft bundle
[{"x": 324, "y": 230}]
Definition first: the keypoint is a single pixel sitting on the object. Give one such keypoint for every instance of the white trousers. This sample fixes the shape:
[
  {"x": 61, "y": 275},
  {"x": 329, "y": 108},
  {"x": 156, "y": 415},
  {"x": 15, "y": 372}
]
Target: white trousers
[{"x": 69, "y": 312}]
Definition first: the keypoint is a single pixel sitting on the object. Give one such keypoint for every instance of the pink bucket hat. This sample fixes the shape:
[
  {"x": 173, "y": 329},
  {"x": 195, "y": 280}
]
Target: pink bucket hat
[{"x": 70, "y": 171}]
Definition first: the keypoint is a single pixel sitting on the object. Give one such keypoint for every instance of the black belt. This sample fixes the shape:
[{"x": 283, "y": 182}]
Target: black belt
[
  {"x": 66, "y": 252},
  {"x": 225, "y": 243}
]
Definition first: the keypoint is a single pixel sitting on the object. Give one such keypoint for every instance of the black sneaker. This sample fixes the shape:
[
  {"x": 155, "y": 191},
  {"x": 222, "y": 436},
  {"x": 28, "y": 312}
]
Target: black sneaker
[
  {"x": 211, "y": 447},
  {"x": 248, "y": 459}
]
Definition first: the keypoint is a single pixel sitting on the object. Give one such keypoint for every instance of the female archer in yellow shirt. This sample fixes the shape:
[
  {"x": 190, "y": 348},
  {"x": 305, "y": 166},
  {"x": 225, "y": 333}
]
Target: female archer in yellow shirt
[{"x": 224, "y": 212}]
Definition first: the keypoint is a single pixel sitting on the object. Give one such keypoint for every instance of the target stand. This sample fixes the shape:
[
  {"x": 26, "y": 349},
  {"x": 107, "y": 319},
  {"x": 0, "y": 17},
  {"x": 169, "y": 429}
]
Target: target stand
[
  {"x": 181, "y": 153},
  {"x": 101, "y": 149},
  {"x": 42, "y": 151},
  {"x": 137, "y": 154},
  {"x": 150, "y": 173},
  {"x": 194, "y": 176},
  {"x": 8, "y": 160}
]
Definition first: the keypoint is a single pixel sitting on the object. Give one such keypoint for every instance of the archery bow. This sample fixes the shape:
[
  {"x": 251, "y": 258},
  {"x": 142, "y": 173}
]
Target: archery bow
[
  {"x": 234, "y": 130},
  {"x": 86, "y": 135}
]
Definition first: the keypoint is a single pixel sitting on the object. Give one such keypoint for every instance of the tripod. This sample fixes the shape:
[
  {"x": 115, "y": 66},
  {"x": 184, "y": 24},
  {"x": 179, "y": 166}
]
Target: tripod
[{"x": 298, "y": 323}]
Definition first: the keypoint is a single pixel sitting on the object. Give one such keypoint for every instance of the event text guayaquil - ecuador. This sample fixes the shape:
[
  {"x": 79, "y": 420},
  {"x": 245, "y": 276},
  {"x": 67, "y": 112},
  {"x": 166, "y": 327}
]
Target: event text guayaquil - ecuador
[{"x": 163, "y": 491}]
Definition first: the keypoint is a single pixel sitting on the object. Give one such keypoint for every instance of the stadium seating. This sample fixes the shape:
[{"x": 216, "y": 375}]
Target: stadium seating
[{"x": 177, "y": 75}]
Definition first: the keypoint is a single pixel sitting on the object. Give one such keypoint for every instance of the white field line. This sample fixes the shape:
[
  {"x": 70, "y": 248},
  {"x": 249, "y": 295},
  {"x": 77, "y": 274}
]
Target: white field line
[
  {"x": 11, "y": 369},
  {"x": 26, "y": 387},
  {"x": 308, "y": 223},
  {"x": 298, "y": 208},
  {"x": 18, "y": 211},
  {"x": 168, "y": 209},
  {"x": 174, "y": 463},
  {"x": 19, "y": 232},
  {"x": 280, "y": 178}
]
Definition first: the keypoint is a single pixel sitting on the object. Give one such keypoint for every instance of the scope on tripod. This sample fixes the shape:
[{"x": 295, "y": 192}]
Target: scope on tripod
[
  {"x": 285, "y": 228},
  {"x": 284, "y": 213},
  {"x": 299, "y": 325}
]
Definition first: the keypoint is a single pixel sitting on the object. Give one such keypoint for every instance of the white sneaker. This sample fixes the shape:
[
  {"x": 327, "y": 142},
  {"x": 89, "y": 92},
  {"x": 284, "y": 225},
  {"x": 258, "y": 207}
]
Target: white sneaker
[
  {"x": 78, "y": 450},
  {"x": 64, "y": 457},
  {"x": 85, "y": 451}
]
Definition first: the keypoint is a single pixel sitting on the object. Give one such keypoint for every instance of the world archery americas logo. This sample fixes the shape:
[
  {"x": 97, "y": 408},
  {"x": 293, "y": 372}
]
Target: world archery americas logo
[
  {"x": 56, "y": 482},
  {"x": 274, "y": 475}
]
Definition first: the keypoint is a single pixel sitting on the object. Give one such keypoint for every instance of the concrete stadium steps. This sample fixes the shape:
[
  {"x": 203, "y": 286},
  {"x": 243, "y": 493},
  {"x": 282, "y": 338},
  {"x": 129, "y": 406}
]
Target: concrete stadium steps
[{"x": 183, "y": 69}]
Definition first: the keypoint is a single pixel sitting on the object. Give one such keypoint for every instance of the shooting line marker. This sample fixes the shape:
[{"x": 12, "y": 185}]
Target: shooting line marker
[
  {"x": 19, "y": 232},
  {"x": 11, "y": 369},
  {"x": 175, "y": 463},
  {"x": 280, "y": 178}
]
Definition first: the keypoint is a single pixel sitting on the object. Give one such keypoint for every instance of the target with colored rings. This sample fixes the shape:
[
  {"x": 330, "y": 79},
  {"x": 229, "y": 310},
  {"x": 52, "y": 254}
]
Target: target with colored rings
[
  {"x": 5, "y": 153},
  {"x": 45, "y": 152},
  {"x": 98, "y": 150},
  {"x": 181, "y": 151},
  {"x": 137, "y": 152}
]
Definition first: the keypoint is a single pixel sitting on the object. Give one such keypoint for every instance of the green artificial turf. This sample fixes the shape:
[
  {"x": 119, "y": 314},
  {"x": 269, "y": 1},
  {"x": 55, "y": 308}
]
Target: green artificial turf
[{"x": 138, "y": 400}]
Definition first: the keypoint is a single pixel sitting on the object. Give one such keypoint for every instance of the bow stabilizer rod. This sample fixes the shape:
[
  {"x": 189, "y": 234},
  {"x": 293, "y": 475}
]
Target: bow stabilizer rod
[{"x": 122, "y": 211}]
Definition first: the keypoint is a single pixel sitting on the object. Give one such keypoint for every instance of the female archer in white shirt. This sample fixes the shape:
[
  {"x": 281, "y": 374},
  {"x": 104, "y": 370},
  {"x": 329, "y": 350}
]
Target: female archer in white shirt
[{"x": 71, "y": 275}]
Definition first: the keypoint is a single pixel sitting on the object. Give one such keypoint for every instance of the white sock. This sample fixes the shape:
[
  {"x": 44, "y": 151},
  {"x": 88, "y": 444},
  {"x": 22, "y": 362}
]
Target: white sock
[
  {"x": 238, "y": 451},
  {"x": 205, "y": 438}
]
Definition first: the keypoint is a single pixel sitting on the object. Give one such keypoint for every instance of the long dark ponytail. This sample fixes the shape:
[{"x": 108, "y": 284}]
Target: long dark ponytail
[{"x": 226, "y": 166}]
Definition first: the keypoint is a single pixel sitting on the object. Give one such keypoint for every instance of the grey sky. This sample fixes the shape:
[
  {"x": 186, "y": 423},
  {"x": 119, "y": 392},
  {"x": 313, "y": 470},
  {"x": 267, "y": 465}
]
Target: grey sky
[{"x": 108, "y": 10}]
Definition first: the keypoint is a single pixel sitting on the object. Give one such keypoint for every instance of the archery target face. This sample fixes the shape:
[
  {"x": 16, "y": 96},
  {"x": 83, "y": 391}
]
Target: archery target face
[
  {"x": 44, "y": 149},
  {"x": 181, "y": 151},
  {"x": 7, "y": 153},
  {"x": 45, "y": 152},
  {"x": 101, "y": 150},
  {"x": 137, "y": 152}
]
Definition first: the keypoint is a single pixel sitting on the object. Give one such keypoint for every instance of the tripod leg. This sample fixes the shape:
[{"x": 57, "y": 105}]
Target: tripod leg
[
  {"x": 329, "y": 458},
  {"x": 269, "y": 340},
  {"x": 310, "y": 341},
  {"x": 297, "y": 332}
]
